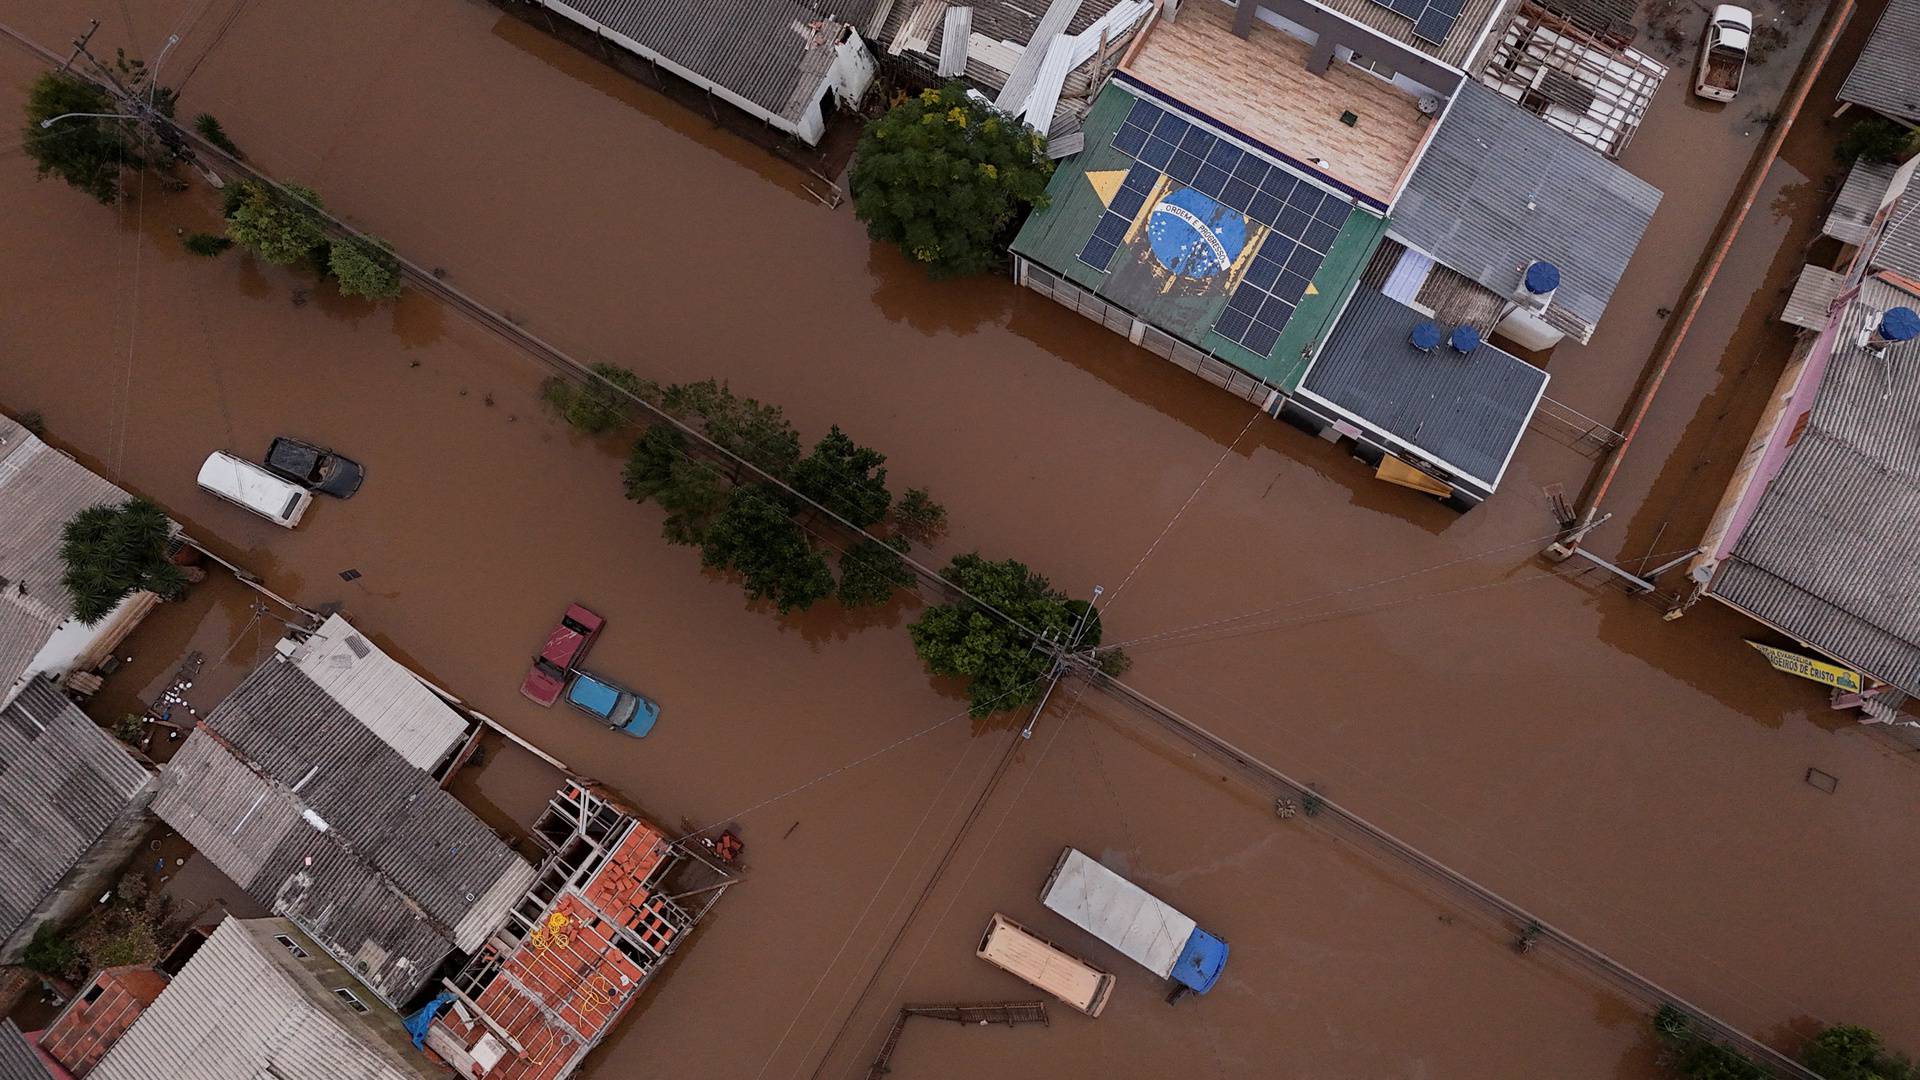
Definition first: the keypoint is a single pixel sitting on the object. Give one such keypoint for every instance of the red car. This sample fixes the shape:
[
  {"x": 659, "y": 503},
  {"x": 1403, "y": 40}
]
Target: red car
[{"x": 566, "y": 646}]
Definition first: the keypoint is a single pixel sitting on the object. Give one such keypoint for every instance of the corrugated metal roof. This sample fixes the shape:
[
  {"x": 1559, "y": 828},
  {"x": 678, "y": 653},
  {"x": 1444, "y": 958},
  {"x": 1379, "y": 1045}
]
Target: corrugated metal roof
[
  {"x": 1466, "y": 411},
  {"x": 1466, "y": 32},
  {"x": 40, "y": 490},
  {"x": 1828, "y": 556},
  {"x": 1143, "y": 928},
  {"x": 1814, "y": 292},
  {"x": 386, "y": 697},
  {"x": 17, "y": 1059},
  {"x": 953, "y": 41},
  {"x": 1858, "y": 201},
  {"x": 774, "y": 53},
  {"x": 1886, "y": 78},
  {"x": 1498, "y": 189},
  {"x": 1898, "y": 248},
  {"x": 244, "y": 1009},
  {"x": 63, "y": 781},
  {"x": 401, "y": 873}
]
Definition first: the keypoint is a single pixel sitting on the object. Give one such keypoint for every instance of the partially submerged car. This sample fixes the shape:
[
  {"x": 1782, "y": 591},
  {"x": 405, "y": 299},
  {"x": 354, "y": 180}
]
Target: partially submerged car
[
  {"x": 566, "y": 646},
  {"x": 612, "y": 704},
  {"x": 315, "y": 467}
]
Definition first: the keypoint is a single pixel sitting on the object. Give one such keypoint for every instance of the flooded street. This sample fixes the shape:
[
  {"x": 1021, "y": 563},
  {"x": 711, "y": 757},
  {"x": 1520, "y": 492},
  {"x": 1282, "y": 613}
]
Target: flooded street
[{"x": 1638, "y": 783}]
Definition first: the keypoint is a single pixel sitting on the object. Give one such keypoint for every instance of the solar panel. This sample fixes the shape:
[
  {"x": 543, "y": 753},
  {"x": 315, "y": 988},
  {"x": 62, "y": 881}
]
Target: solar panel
[
  {"x": 1432, "y": 19},
  {"x": 1302, "y": 220}
]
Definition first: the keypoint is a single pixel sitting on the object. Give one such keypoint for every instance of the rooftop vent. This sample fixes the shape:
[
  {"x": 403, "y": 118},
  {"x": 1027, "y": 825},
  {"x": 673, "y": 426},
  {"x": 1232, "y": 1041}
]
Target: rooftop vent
[
  {"x": 1464, "y": 339},
  {"x": 1425, "y": 337}
]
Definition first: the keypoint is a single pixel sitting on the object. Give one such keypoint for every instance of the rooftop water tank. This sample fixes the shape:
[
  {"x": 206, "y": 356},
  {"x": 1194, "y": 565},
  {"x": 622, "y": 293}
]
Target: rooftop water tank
[
  {"x": 1542, "y": 277},
  {"x": 1464, "y": 339},
  {"x": 1425, "y": 337},
  {"x": 1898, "y": 324}
]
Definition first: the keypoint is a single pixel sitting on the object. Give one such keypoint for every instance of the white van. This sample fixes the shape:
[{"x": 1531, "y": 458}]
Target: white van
[
  {"x": 251, "y": 487},
  {"x": 1013, "y": 948}
]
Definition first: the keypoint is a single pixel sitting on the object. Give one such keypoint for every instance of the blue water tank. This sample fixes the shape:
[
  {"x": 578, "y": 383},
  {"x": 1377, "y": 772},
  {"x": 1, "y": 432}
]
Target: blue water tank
[
  {"x": 1900, "y": 324},
  {"x": 1464, "y": 339},
  {"x": 1425, "y": 337},
  {"x": 1542, "y": 278}
]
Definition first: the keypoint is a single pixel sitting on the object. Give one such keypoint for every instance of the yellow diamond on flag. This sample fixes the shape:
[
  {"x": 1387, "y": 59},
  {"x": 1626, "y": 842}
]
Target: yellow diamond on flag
[
  {"x": 1106, "y": 183},
  {"x": 1311, "y": 291}
]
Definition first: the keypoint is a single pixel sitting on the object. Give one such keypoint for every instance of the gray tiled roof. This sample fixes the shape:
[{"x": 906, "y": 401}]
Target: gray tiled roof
[
  {"x": 40, "y": 489},
  {"x": 1858, "y": 201},
  {"x": 243, "y": 1009},
  {"x": 63, "y": 781},
  {"x": 294, "y": 798},
  {"x": 1898, "y": 248},
  {"x": 1830, "y": 555},
  {"x": 1468, "y": 411},
  {"x": 1498, "y": 188},
  {"x": 17, "y": 1059},
  {"x": 1886, "y": 78},
  {"x": 758, "y": 49}
]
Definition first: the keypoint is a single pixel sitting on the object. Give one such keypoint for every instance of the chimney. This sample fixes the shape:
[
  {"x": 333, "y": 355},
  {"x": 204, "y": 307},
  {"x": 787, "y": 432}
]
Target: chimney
[
  {"x": 1463, "y": 340},
  {"x": 1425, "y": 337}
]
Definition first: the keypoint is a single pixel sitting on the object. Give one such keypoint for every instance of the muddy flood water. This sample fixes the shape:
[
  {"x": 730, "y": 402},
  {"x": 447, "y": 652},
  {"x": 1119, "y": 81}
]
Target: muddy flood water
[{"x": 1637, "y": 783}]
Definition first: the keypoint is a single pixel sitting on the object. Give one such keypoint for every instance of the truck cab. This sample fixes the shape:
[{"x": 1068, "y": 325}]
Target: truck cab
[{"x": 1723, "y": 53}]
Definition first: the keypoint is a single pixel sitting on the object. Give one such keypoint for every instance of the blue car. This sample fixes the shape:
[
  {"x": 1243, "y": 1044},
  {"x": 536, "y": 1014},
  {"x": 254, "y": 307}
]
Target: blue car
[{"x": 612, "y": 704}]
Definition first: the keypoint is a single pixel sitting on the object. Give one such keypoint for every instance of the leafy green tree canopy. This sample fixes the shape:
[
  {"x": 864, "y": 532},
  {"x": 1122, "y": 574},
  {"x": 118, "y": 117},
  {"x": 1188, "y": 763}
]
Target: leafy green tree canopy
[
  {"x": 111, "y": 552},
  {"x": 598, "y": 405},
  {"x": 272, "y": 226},
  {"x": 846, "y": 478},
  {"x": 871, "y": 571},
  {"x": 756, "y": 536},
  {"x": 964, "y": 640},
  {"x": 691, "y": 492},
  {"x": 944, "y": 176},
  {"x": 758, "y": 433},
  {"x": 365, "y": 269},
  {"x": 918, "y": 518},
  {"x": 1851, "y": 1052},
  {"x": 87, "y": 154}
]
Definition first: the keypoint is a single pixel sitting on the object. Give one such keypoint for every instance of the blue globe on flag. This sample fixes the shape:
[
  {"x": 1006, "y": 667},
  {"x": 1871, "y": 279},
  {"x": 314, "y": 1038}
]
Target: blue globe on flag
[{"x": 1194, "y": 236}]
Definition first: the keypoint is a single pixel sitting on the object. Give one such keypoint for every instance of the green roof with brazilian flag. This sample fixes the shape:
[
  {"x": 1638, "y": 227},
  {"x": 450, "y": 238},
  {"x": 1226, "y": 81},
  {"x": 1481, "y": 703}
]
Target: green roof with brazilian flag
[{"x": 1202, "y": 233}]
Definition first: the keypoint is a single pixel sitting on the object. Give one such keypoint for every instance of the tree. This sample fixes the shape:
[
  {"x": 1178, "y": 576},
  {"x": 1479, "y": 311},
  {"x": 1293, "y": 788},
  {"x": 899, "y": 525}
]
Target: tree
[
  {"x": 846, "y": 478},
  {"x": 1850, "y": 1052},
  {"x": 758, "y": 433},
  {"x": 207, "y": 244},
  {"x": 277, "y": 228},
  {"x": 88, "y": 154},
  {"x": 944, "y": 176},
  {"x": 996, "y": 657},
  {"x": 689, "y": 491},
  {"x": 209, "y": 128},
  {"x": 918, "y": 518},
  {"x": 365, "y": 268},
  {"x": 1696, "y": 1057},
  {"x": 757, "y": 537},
  {"x": 600, "y": 404},
  {"x": 871, "y": 570},
  {"x": 111, "y": 552},
  {"x": 1875, "y": 138},
  {"x": 50, "y": 953}
]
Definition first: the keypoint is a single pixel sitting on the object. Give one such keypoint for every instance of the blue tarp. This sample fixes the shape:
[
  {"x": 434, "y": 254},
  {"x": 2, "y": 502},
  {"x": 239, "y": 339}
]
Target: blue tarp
[
  {"x": 1201, "y": 962},
  {"x": 419, "y": 1022}
]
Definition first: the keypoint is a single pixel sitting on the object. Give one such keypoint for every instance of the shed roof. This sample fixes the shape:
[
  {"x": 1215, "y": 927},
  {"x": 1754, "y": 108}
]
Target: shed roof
[
  {"x": 1898, "y": 248},
  {"x": 1885, "y": 77},
  {"x": 317, "y": 817},
  {"x": 40, "y": 490},
  {"x": 774, "y": 53},
  {"x": 389, "y": 699},
  {"x": 243, "y": 1009},
  {"x": 1497, "y": 189},
  {"x": 63, "y": 781},
  {"x": 1851, "y": 219},
  {"x": 1829, "y": 555},
  {"x": 1464, "y": 411}
]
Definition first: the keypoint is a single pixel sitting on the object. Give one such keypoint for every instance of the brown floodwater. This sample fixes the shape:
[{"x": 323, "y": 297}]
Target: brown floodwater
[{"x": 1638, "y": 783}]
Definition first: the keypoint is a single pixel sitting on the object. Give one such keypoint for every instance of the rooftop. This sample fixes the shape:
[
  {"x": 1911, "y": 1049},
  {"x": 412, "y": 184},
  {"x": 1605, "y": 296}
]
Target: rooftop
[
  {"x": 1202, "y": 233},
  {"x": 1574, "y": 79},
  {"x": 1898, "y": 247},
  {"x": 774, "y": 53},
  {"x": 1465, "y": 412},
  {"x": 63, "y": 782},
  {"x": 1461, "y": 38},
  {"x": 297, "y": 800},
  {"x": 1858, "y": 203},
  {"x": 245, "y": 1007},
  {"x": 40, "y": 489},
  {"x": 1885, "y": 77},
  {"x": 96, "y": 1019},
  {"x": 17, "y": 1058},
  {"x": 390, "y": 700},
  {"x": 1261, "y": 88},
  {"x": 1498, "y": 189},
  {"x": 1828, "y": 555}
]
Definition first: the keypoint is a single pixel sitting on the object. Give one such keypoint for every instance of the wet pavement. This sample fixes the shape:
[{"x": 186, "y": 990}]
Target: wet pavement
[{"x": 1636, "y": 782}]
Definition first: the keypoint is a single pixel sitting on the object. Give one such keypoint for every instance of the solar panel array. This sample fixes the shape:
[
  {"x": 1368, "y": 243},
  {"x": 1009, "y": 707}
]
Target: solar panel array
[
  {"x": 1432, "y": 19},
  {"x": 1303, "y": 221}
]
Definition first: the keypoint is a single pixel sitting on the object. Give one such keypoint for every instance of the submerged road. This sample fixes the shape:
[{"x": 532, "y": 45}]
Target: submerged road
[{"x": 1639, "y": 783}]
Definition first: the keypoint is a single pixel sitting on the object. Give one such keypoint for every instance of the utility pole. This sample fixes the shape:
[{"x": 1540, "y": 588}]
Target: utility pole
[
  {"x": 80, "y": 45},
  {"x": 141, "y": 107},
  {"x": 1061, "y": 654}
]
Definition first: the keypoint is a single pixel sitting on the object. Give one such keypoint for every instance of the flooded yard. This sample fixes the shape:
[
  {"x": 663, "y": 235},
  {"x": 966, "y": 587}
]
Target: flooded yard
[{"x": 1639, "y": 783}]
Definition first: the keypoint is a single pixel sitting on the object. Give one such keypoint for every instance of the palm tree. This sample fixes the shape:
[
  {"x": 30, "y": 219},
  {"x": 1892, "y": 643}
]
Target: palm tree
[{"x": 113, "y": 551}]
